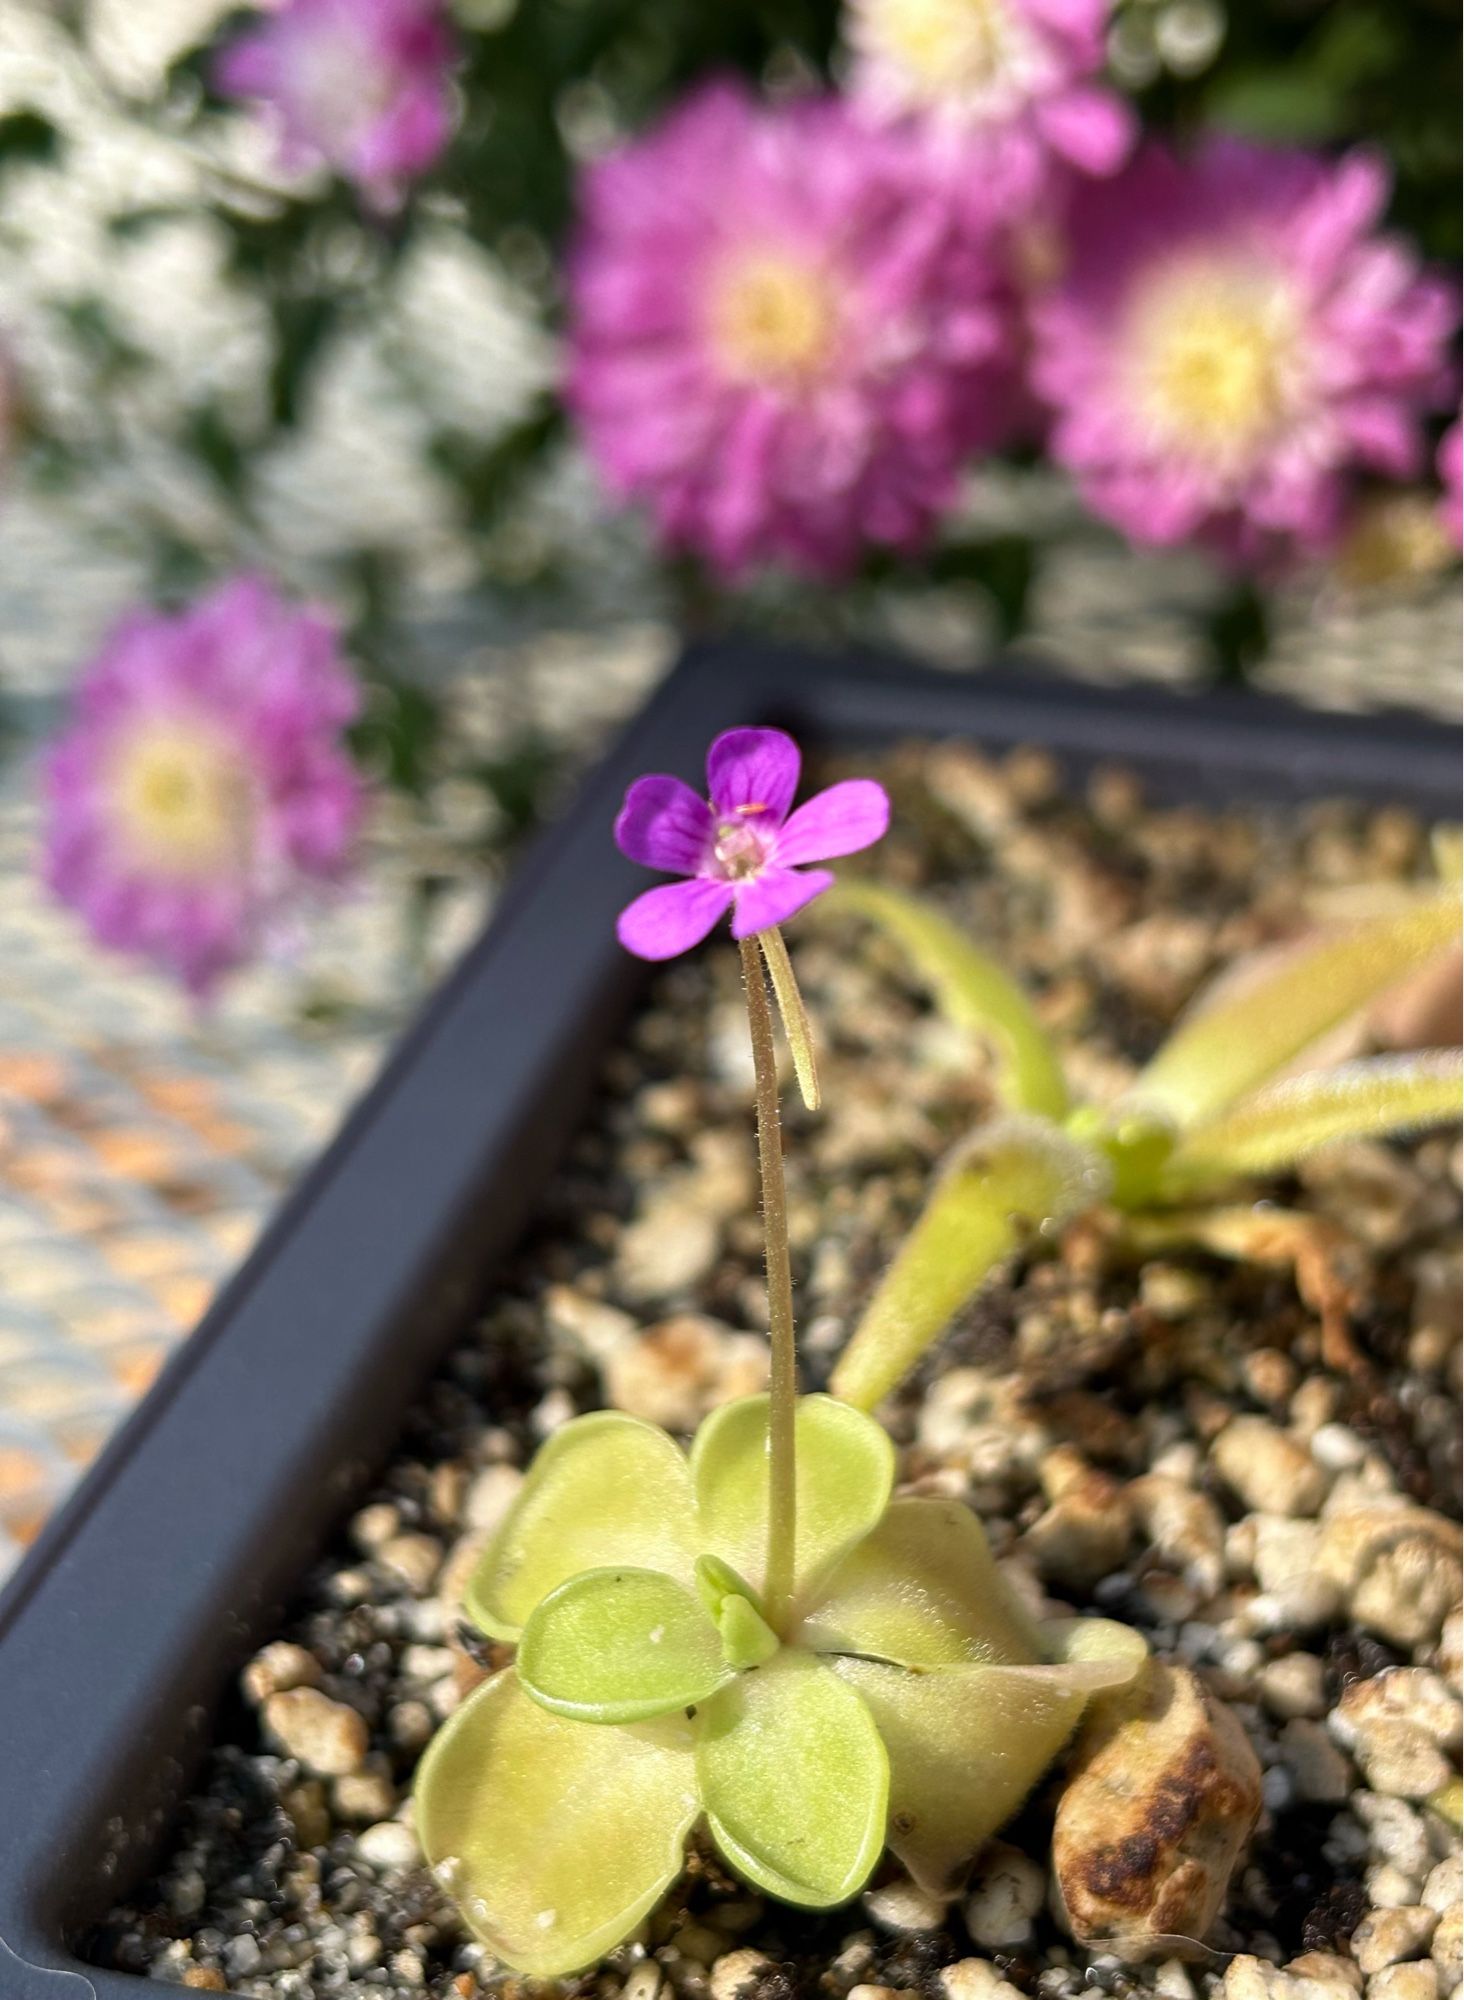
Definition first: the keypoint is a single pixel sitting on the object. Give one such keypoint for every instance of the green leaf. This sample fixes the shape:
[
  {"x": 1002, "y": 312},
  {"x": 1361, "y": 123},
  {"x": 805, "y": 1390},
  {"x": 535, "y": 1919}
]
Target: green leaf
[
  {"x": 922, "y": 1591},
  {"x": 605, "y": 1490},
  {"x": 1237, "y": 1040},
  {"x": 620, "y": 1645},
  {"x": 846, "y": 1468},
  {"x": 970, "y": 989},
  {"x": 1011, "y": 1179},
  {"x": 747, "y": 1639},
  {"x": 1276, "y": 1126},
  {"x": 794, "y": 1780},
  {"x": 966, "y": 1745},
  {"x": 554, "y": 1838},
  {"x": 1096, "y": 1642}
]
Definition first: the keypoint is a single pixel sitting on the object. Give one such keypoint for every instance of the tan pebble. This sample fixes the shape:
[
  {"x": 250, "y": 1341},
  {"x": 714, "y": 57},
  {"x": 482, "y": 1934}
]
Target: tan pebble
[
  {"x": 1184, "y": 1526},
  {"x": 1389, "y": 1887},
  {"x": 1321, "y": 1773},
  {"x": 1268, "y": 1374},
  {"x": 1398, "y": 1566},
  {"x": 735, "y": 1973},
  {"x": 1416, "y": 1980},
  {"x": 902, "y": 1906},
  {"x": 645, "y": 1983},
  {"x": 1445, "y": 1884},
  {"x": 670, "y": 1246},
  {"x": 205, "y": 1978},
  {"x": 416, "y": 1559},
  {"x": 1401, "y": 1694},
  {"x": 596, "y": 1328},
  {"x": 1327, "y": 1968},
  {"x": 327, "y": 1736},
  {"x": 374, "y": 1525},
  {"x": 1249, "y": 1978},
  {"x": 976, "y": 1979},
  {"x": 1386, "y": 1937},
  {"x": 389, "y": 1844},
  {"x": 1448, "y": 1944},
  {"x": 863, "y": 1992},
  {"x": 1006, "y": 1894},
  {"x": 279, "y": 1666},
  {"x": 1267, "y": 1469},
  {"x": 1172, "y": 1980},
  {"x": 1300, "y": 1597},
  {"x": 1084, "y": 1535},
  {"x": 1448, "y": 1660},
  {"x": 1398, "y": 1758},
  {"x": 491, "y": 1494},
  {"x": 309, "y": 1814},
  {"x": 1395, "y": 1831},
  {"x": 676, "y": 1371},
  {"x": 1294, "y": 1685},
  {"x": 364, "y": 1796}
]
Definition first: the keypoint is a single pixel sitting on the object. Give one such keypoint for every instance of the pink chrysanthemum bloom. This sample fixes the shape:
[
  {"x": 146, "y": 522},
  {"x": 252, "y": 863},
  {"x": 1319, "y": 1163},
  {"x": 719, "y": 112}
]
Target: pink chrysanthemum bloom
[
  {"x": 201, "y": 790},
  {"x": 1232, "y": 340},
  {"x": 999, "y": 87},
  {"x": 780, "y": 340},
  {"x": 744, "y": 850},
  {"x": 363, "y": 85},
  {"x": 1451, "y": 472}
]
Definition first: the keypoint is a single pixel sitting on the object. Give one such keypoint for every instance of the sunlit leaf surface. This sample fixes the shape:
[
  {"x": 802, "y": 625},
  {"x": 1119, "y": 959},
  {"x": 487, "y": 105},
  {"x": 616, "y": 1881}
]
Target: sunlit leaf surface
[
  {"x": 923, "y": 1591},
  {"x": 1232, "y": 1044},
  {"x": 621, "y": 1645},
  {"x": 1275, "y": 1126},
  {"x": 553, "y": 1837},
  {"x": 846, "y": 1468},
  {"x": 794, "y": 1779},
  {"x": 606, "y": 1489}
]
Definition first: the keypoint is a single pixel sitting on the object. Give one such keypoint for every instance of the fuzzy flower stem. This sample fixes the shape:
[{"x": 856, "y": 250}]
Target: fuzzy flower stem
[
  {"x": 783, "y": 1378},
  {"x": 795, "y": 1014}
]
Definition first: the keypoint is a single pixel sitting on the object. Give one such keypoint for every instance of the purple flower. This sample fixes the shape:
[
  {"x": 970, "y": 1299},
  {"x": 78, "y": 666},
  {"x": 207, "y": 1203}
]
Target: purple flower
[
  {"x": 364, "y": 85},
  {"x": 745, "y": 850},
  {"x": 1233, "y": 342},
  {"x": 201, "y": 788},
  {"x": 781, "y": 339}
]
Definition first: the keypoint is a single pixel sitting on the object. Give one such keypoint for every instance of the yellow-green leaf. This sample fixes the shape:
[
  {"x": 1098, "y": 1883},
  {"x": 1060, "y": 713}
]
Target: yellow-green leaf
[
  {"x": 794, "y": 1780},
  {"x": 1277, "y": 1125},
  {"x": 966, "y": 1745},
  {"x": 1096, "y": 1642},
  {"x": 970, "y": 989},
  {"x": 1011, "y": 1178},
  {"x": 607, "y": 1489},
  {"x": 922, "y": 1591},
  {"x": 846, "y": 1468},
  {"x": 620, "y": 1645},
  {"x": 1229, "y": 1045},
  {"x": 554, "y": 1838}
]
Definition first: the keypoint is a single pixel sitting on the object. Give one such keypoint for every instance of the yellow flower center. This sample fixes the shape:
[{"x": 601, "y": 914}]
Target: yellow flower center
[
  {"x": 1216, "y": 357},
  {"x": 941, "y": 47},
  {"x": 772, "y": 317},
  {"x": 182, "y": 798}
]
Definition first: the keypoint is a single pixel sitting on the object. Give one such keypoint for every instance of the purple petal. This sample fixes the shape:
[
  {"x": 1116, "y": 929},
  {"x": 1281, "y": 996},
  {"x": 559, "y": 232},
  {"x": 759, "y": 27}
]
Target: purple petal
[
  {"x": 840, "y": 820},
  {"x": 673, "y": 918},
  {"x": 663, "y": 824},
  {"x": 753, "y": 767},
  {"x": 774, "y": 896}
]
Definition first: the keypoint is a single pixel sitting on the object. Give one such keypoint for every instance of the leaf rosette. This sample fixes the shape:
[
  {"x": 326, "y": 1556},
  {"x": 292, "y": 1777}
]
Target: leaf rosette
[{"x": 909, "y": 1700}]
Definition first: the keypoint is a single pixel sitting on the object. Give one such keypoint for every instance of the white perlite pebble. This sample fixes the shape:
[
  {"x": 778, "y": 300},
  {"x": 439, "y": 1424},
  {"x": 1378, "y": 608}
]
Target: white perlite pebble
[
  {"x": 976, "y": 1979},
  {"x": 1448, "y": 1944},
  {"x": 735, "y": 1971},
  {"x": 416, "y": 1559},
  {"x": 1172, "y": 1980},
  {"x": 1388, "y": 1888},
  {"x": 1006, "y": 1894},
  {"x": 1318, "y": 1768},
  {"x": 1386, "y": 1937},
  {"x": 1248, "y": 1978},
  {"x": 491, "y": 1495},
  {"x": 279, "y": 1666},
  {"x": 1418, "y": 1980},
  {"x": 1395, "y": 1832},
  {"x": 901, "y": 1906},
  {"x": 328, "y": 1737},
  {"x": 1268, "y": 1470},
  {"x": 1294, "y": 1686},
  {"x": 1445, "y": 1884},
  {"x": 389, "y": 1844},
  {"x": 644, "y": 1983}
]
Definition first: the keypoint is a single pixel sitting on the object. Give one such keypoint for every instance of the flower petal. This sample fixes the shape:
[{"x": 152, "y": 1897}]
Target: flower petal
[
  {"x": 620, "y": 1645},
  {"x": 794, "y": 1780},
  {"x": 775, "y": 894},
  {"x": 840, "y": 820},
  {"x": 673, "y": 918},
  {"x": 753, "y": 768},
  {"x": 922, "y": 1591},
  {"x": 663, "y": 824},
  {"x": 605, "y": 1490},
  {"x": 966, "y": 1745},
  {"x": 511, "y": 1799},
  {"x": 846, "y": 1467}
]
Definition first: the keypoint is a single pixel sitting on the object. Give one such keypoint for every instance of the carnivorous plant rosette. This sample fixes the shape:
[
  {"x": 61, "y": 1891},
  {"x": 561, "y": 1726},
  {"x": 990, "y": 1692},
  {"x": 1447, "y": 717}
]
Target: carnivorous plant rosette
[{"x": 754, "y": 1635}]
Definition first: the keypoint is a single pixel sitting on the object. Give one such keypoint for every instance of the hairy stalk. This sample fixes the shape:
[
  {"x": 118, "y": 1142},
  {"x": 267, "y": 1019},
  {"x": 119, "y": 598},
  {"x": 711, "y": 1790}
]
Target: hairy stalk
[
  {"x": 794, "y": 1013},
  {"x": 783, "y": 1381}
]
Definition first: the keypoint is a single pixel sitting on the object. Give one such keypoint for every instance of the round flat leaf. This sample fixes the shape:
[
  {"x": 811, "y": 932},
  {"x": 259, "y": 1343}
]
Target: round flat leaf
[
  {"x": 921, "y": 1591},
  {"x": 966, "y": 1745},
  {"x": 554, "y": 1838},
  {"x": 605, "y": 1490},
  {"x": 846, "y": 1468},
  {"x": 794, "y": 1780},
  {"x": 620, "y": 1645}
]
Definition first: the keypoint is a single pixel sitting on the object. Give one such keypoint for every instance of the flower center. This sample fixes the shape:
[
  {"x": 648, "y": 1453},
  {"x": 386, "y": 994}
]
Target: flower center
[
  {"x": 772, "y": 317},
  {"x": 942, "y": 45},
  {"x": 1216, "y": 357},
  {"x": 739, "y": 849},
  {"x": 182, "y": 798}
]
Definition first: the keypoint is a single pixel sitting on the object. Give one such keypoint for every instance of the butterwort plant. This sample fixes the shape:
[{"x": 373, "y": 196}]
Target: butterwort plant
[{"x": 753, "y": 1637}]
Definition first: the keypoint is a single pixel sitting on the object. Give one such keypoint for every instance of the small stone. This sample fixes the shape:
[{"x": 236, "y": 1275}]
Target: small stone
[
  {"x": 1250, "y": 1978},
  {"x": 1337, "y": 1448},
  {"x": 1006, "y": 1894},
  {"x": 1172, "y": 1980},
  {"x": 1386, "y": 1937},
  {"x": 491, "y": 1494},
  {"x": 863, "y": 1992},
  {"x": 1298, "y": 1596},
  {"x": 416, "y": 1559},
  {"x": 902, "y": 1906},
  {"x": 1395, "y": 1832},
  {"x": 1294, "y": 1685},
  {"x": 389, "y": 1844},
  {"x": 1445, "y": 1884},
  {"x": 734, "y": 1975},
  {"x": 1183, "y": 1526},
  {"x": 374, "y": 1525},
  {"x": 1448, "y": 1944},
  {"x": 1326, "y": 1968},
  {"x": 1417, "y": 1980},
  {"x": 205, "y": 1978},
  {"x": 1394, "y": 1724},
  {"x": 364, "y": 1796},
  {"x": 1266, "y": 1469},
  {"x": 595, "y": 1328},
  {"x": 645, "y": 1983},
  {"x": 1398, "y": 1567},
  {"x": 976, "y": 1979},
  {"x": 326, "y": 1736},
  {"x": 308, "y": 1812},
  {"x": 678, "y": 1370},
  {"x": 277, "y": 1668},
  {"x": 1320, "y": 1771}
]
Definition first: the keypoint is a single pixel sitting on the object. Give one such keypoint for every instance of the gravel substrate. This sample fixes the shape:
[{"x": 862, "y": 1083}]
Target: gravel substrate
[{"x": 1162, "y": 1441}]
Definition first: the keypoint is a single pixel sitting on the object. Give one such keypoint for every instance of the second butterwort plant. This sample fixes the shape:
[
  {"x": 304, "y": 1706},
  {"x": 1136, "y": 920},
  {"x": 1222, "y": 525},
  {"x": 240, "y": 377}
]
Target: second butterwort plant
[{"x": 753, "y": 1637}]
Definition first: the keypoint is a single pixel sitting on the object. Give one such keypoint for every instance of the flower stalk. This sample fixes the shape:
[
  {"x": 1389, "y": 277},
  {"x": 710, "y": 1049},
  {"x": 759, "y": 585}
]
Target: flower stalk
[{"x": 783, "y": 1372}]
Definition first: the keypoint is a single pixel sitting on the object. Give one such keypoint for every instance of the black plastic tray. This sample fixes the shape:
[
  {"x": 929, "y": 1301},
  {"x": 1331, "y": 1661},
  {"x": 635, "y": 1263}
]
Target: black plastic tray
[{"x": 122, "y": 1629}]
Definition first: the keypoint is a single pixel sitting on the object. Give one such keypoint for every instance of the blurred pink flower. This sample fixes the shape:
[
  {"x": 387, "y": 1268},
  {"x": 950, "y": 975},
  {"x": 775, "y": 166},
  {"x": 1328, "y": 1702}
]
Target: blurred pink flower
[
  {"x": 1232, "y": 340},
  {"x": 999, "y": 87},
  {"x": 362, "y": 84},
  {"x": 780, "y": 340},
  {"x": 1451, "y": 472},
  {"x": 201, "y": 789}
]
